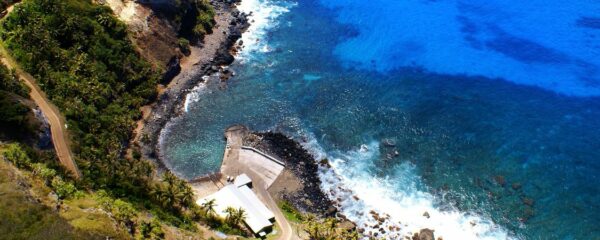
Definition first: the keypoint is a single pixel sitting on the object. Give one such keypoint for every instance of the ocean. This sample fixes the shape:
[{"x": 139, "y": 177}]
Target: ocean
[{"x": 483, "y": 114}]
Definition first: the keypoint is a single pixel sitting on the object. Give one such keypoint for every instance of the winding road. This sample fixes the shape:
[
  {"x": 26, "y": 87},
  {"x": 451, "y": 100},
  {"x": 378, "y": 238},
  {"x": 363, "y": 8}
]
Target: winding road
[{"x": 57, "y": 124}]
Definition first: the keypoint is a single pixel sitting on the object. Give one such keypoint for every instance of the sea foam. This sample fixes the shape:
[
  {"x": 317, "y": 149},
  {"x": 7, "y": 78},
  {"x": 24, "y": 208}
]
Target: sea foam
[
  {"x": 263, "y": 17},
  {"x": 194, "y": 95},
  {"x": 360, "y": 195}
]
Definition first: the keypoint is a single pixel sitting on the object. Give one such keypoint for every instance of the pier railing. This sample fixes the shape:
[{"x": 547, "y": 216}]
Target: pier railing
[
  {"x": 264, "y": 155},
  {"x": 214, "y": 177}
]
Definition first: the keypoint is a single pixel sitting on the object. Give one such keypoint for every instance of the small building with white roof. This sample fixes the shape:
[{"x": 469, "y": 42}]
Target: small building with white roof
[{"x": 239, "y": 195}]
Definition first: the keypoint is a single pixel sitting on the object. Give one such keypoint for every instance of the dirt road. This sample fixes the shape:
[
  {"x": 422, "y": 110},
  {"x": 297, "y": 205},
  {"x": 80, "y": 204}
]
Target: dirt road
[{"x": 51, "y": 112}]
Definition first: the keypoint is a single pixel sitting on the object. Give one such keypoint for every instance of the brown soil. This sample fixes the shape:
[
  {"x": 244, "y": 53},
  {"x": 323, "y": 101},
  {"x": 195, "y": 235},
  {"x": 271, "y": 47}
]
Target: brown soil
[{"x": 155, "y": 38}]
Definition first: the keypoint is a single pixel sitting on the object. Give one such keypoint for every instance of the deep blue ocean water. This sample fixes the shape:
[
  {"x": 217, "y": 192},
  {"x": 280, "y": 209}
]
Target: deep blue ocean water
[{"x": 486, "y": 114}]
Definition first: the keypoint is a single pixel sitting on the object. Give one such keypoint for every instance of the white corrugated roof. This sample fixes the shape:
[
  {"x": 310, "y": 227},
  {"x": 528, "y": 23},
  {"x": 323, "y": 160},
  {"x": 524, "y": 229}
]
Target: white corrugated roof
[
  {"x": 256, "y": 203},
  {"x": 257, "y": 214},
  {"x": 242, "y": 180}
]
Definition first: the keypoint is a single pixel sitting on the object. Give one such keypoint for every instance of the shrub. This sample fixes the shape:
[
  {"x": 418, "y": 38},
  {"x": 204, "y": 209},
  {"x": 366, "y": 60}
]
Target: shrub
[
  {"x": 15, "y": 154},
  {"x": 151, "y": 230},
  {"x": 184, "y": 45},
  {"x": 63, "y": 189},
  {"x": 42, "y": 170}
]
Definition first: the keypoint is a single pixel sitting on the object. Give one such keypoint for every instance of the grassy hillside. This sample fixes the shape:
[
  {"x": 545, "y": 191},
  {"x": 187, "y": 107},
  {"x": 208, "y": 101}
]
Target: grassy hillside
[{"x": 26, "y": 212}]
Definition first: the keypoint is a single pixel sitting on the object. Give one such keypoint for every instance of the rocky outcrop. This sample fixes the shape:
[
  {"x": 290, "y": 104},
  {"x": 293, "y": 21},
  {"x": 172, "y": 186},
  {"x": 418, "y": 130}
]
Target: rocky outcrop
[
  {"x": 173, "y": 69},
  {"x": 309, "y": 198},
  {"x": 424, "y": 234}
]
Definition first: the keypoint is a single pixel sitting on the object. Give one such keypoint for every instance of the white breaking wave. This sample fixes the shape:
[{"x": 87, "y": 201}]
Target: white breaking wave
[
  {"x": 194, "y": 95},
  {"x": 263, "y": 17},
  {"x": 360, "y": 196}
]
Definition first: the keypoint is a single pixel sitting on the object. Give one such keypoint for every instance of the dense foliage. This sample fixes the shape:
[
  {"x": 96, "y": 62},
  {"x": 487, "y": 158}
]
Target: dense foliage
[
  {"x": 195, "y": 18},
  {"x": 84, "y": 61},
  {"x": 327, "y": 229},
  {"x": 13, "y": 114}
]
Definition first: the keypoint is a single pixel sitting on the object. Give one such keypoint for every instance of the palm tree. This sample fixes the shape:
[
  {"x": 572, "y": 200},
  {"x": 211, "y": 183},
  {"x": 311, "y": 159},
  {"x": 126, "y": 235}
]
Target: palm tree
[
  {"x": 231, "y": 215},
  {"x": 330, "y": 226},
  {"x": 240, "y": 216},
  {"x": 209, "y": 207},
  {"x": 186, "y": 194},
  {"x": 169, "y": 178}
]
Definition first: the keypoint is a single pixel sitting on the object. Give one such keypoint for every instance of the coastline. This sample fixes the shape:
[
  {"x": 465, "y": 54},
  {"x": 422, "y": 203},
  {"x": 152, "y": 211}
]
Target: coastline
[
  {"x": 215, "y": 52},
  {"x": 210, "y": 59}
]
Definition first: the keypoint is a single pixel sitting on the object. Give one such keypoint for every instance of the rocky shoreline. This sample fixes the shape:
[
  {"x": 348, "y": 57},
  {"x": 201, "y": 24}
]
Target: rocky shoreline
[
  {"x": 308, "y": 197},
  {"x": 302, "y": 169},
  {"x": 230, "y": 23}
]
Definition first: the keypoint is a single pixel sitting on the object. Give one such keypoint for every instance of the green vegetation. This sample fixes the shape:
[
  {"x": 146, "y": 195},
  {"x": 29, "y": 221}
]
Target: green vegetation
[
  {"x": 40, "y": 163},
  {"x": 23, "y": 214},
  {"x": 317, "y": 229},
  {"x": 232, "y": 224},
  {"x": 184, "y": 45},
  {"x": 235, "y": 217},
  {"x": 327, "y": 229},
  {"x": 28, "y": 159},
  {"x": 291, "y": 213},
  {"x": 83, "y": 213},
  {"x": 84, "y": 61},
  {"x": 151, "y": 230},
  {"x": 13, "y": 113},
  {"x": 196, "y": 18},
  {"x": 82, "y": 58},
  {"x": 10, "y": 83}
]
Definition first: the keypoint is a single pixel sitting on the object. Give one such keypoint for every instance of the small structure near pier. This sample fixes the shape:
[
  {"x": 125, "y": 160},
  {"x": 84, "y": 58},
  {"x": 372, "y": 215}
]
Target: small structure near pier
[
  {"x": 256, "y": 171},
  {"x": 238, "y": 195},
  {"x": 239, "y": 159}
]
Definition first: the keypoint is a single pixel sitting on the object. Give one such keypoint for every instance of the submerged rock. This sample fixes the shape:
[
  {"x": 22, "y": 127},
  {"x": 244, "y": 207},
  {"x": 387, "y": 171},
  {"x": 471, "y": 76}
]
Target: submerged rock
[
  {"x": 500, "y": 180},
  {"x": 528, "y": 201}
]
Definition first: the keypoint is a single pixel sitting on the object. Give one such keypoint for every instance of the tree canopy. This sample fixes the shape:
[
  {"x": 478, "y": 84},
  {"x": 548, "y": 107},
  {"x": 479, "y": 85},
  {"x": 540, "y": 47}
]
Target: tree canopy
[{"x": 82, "y": 58}]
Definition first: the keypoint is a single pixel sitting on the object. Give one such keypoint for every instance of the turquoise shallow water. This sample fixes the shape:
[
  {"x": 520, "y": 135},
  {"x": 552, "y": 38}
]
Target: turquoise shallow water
[{"x": 487, "y": 109}]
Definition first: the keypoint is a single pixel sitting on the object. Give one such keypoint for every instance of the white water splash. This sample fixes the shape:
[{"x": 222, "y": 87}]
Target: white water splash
[
  {"x": 194, "y": 95},
  {"x": 360, "y": 195},
  {"x": 263, "y": 17}
]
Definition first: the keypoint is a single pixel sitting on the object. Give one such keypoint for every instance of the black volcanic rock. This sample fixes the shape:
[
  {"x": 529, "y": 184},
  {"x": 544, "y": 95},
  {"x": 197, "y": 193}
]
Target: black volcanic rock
[
  {"x": 173, "y": 69},
  {"x": 302, "y": 164}
]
